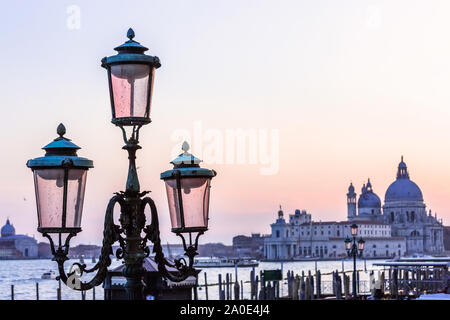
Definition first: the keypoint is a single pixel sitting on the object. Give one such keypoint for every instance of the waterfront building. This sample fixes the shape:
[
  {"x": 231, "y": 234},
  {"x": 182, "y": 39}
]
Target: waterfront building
[
  {"x": 16, "y": 246},
  {"x": 303, "y": 238},
  {"x": 399, "y": 227},
  {"x": 253, "y": 246}
]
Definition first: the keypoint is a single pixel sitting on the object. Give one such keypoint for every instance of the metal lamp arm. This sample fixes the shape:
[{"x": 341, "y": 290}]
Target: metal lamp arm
[
  {"x": 184, "y": 270},
  {"x": 111, "y": 234}
]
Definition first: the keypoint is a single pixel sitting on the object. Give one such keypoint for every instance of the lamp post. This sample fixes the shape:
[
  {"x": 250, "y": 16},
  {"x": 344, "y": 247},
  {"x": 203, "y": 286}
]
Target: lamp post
[
  {"x": 60, "y": 180},
  {"x": 354, "y": 248}
]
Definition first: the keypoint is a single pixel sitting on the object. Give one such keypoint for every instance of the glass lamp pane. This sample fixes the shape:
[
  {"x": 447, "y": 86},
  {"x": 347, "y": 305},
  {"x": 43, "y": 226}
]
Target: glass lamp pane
[
  {"x": 361, "y": 244},
  {"x": 49, "y": 188},
  {"x": 130, "y": 85},
  {"x": 174, "y": 208},
  {"x": 76, "y": 185},
  {"x": 195, "y": 193},
  {"x": 348, "y": 245},
  {"x": 195, "y": 196}
]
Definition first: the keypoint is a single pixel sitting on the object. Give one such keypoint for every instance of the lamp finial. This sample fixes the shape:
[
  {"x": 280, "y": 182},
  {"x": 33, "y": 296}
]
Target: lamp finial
[
  {"x": 130, "y": 34},
  {"x": 185, "y": 147},
  {"x": 61, "y": 130}
]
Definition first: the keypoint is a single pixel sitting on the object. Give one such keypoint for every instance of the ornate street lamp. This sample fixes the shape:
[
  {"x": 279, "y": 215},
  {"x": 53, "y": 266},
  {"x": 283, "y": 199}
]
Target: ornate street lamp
[
  {"x": 187, "y": 187},
  {"x": 361, "y": 243},
  {"x": 131, "y": 74},
  {"x": 354, "y": 229},
  {"x": 60, "y": 179},
  {"x": 354, "y": 249}
]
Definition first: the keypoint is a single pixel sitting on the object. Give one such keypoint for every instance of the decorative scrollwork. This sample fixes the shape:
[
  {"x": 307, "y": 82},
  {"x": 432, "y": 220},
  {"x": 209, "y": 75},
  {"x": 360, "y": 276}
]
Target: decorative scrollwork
[
  {"x": 183, "y": 269},
  {"x": 111, "y": 234}
]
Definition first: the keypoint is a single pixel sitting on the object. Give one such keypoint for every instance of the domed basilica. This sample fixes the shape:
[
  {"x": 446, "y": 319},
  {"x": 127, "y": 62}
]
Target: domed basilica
[
  {"x": 16, "y": 246},
  {"x": 404, "y": 210}
]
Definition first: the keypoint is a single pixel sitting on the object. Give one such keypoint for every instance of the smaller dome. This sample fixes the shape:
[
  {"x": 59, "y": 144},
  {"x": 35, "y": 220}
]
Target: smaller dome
[
  {"x": 368, "y": 199},
  {"x": 8, "y": 229},
  {"x": 297, "y": 212}
]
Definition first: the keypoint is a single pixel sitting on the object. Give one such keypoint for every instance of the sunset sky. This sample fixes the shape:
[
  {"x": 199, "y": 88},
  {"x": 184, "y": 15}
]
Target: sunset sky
[{"x": 346, "y": 86}]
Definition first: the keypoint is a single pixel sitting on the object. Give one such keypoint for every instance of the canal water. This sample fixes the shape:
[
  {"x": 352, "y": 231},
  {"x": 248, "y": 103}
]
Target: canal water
[{"x": 24, "y": 274}]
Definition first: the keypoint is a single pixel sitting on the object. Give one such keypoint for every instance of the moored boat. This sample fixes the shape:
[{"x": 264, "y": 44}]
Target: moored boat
[
  {"x": 49, "y": 275},
  {"x": 215, "y": 262}
]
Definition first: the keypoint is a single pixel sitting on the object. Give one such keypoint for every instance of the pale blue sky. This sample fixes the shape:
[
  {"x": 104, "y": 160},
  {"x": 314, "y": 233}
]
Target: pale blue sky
[{"x": 350, "y": 85}]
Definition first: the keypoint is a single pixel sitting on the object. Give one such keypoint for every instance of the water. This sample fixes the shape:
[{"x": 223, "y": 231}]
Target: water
[
  {"x": 24, "y": 274},
  {"x": 297, "y": 266}
]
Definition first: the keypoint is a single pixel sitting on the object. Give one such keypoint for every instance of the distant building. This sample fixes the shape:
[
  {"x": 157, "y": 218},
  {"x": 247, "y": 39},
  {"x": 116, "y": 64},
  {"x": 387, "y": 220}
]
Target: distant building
[
  {"x": 447, "y": 239},
  {"x": 85, "y": 250},
  {"x": 215, "y": 250},
  {"x": 405, "y": 210},
  {"x": 44, "y": 250},
  {"x": 252, "y": 246},
  {"x": 16, "y": 246},
  {"x": 400, "y": 227},
  {"x": 303, "y": 238}
]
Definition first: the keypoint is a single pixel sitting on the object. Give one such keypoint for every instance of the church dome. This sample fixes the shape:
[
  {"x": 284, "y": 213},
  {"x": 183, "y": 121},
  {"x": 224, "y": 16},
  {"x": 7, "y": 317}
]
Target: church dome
[
  {"x": 368, "y": 199},
  {"x": 403, "y": 189},
  {"x": 8, "y": 230}
]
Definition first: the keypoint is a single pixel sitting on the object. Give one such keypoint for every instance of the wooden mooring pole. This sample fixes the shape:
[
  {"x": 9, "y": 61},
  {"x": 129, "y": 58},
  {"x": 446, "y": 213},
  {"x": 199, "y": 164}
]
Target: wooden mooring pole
[
  {"x": 12, "y": 292},
  {"x": 37, "y": 290},
  {"x": 206, "y": 287}
]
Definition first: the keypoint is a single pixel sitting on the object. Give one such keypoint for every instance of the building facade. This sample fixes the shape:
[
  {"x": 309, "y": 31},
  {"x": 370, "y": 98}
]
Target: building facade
[
  {"x": 399, "y": 227},
  {"x": 253, "y": 246},
  {"x": 302, "y": 238},
  {"x": 18, "y": 246}
]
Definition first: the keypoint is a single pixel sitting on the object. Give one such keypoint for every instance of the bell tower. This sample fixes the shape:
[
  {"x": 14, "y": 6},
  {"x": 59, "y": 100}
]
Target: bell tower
[{"x": 351, "y": 202}]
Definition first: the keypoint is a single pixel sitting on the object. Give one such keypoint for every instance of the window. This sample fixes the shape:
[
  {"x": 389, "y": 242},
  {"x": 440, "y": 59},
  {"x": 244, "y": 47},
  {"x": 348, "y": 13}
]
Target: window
[{"x": 278, "y": 233}]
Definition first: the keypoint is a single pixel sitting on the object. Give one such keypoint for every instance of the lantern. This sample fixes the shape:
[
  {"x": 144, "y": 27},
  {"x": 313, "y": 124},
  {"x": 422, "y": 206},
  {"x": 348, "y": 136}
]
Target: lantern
[
  {"x": 187, "y": 187},
  {"x": 131, "y": 74},
  {"x": 354, "y": 229},
  {"x": 348, "y": 244},
  {"x": 361, "y": 243},
  {"x": 60, "y": 181}
]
